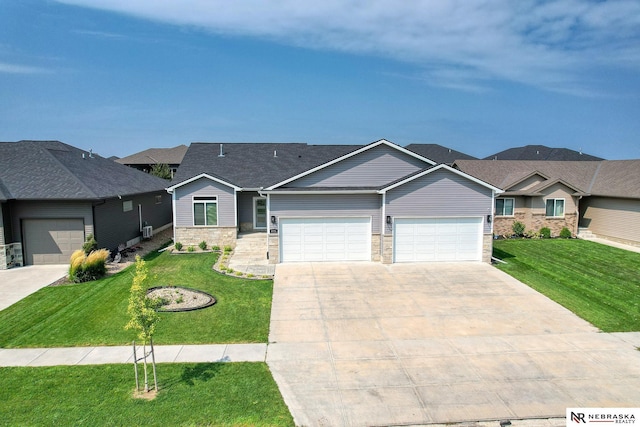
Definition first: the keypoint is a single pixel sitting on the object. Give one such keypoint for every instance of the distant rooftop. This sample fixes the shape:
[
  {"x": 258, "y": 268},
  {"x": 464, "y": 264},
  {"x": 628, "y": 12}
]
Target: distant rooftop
[
  {"x": 151, "y": 156},
  {"x": 541, "y": 152}
]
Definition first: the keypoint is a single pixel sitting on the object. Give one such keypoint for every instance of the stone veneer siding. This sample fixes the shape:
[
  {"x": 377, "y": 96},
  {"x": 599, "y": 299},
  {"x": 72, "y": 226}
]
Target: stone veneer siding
[
  {"x": 487, "y": 248},
  {"x": 274, "y": 248},
  {"x": 375, "y": 247},
  {"x": 502, "y": 226},
  {"x": 16, "y": 250},
  {"x": 192, "y": 236},
  {"x": 387, "y": 249}
]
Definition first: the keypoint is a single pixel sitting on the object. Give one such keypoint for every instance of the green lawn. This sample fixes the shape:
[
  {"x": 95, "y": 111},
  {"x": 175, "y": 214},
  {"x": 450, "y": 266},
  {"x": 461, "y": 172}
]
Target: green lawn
[
  {"x": 599, "y": 283},
  {"x": 95, "y": 313},
  {"x": 203, "y": 394}
]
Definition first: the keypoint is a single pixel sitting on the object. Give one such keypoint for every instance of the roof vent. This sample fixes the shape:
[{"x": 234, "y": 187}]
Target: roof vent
[
  {"x": 83, "y": 155},
  {"x": 275, "y": 153},
  {"x": 580, "y": 151},
  {"x": 91, "y": 154},
  {"x": 449, "y": 149},
  {"x": 221, "y": 152},
  {"x": 537, "y": 151}
]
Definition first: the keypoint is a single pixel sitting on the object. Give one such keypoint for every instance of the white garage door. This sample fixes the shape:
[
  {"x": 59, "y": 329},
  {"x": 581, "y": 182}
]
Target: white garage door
[
  {"x": 325, "y": 239},
  {"x": 437, "y": 239},
  {"x": 51, "y": 241}
]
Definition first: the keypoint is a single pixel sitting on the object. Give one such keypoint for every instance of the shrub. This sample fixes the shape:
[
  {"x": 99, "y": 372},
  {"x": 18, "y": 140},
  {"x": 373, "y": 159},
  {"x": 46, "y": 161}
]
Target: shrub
[
  {"x": 565, "y": 233},
  {"x": 545, "y": 232},
  {"x": 178, "y": 246},
  {"x": 90, "y": 244},
  {"x": 215, "y": 248},
  {"x": 84, "y": 268},
  {"x": 191, "y": 249},
  {"x": 228, "y": 248},
  {"x": 203, "y": 245},
  {"x": 532, "y": 234},
  {"x": 518, "y": 228}
]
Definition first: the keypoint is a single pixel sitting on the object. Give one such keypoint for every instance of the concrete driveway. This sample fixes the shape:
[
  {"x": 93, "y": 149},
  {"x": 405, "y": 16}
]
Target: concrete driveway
[
  {"x": 364, "y": 344},
  {"x": 17, "y": 283}
]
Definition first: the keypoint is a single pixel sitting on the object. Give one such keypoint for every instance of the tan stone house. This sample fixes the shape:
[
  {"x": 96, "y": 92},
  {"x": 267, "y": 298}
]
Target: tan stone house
[{"x": 600, "y": 197}]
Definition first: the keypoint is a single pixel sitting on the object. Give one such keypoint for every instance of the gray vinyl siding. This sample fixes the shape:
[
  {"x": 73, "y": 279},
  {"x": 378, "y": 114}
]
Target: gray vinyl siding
[
  {"x": 440, "y": 194},
  {"x": 328, "y": 205},
  {"x": 612, "y": 217},
  {"x": 114, "y": 226},
  {"x": 375, "y": 167},
  {"x": 20, "y": 210},
  {"x": 6, "y": 224},
  {"x": 2, "y": 239},
  {"x": 201, "y": 188}
]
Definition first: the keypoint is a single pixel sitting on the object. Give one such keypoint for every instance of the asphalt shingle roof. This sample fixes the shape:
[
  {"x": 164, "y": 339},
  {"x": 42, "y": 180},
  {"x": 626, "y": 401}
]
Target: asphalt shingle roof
[
  {"x": 37, "y": 170},
  {"x": 255, "y": 165},
  {"x": 169, "y": 156},
  {"x": 610, "y": 178},
  {"x": 541, "y": 152},
  {"x": 438, "y": 153}
]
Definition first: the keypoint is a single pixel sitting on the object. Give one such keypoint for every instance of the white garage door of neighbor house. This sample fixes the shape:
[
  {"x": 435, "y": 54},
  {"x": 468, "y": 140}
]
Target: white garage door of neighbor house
[
  {"x": 325, "y": 239},
  {"x": 51, "y": 241},
  {"x": 437, "y": 239}
]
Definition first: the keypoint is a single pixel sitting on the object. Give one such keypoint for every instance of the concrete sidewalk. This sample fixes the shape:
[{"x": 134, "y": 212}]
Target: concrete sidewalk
[{"x": 124, "y": 354}]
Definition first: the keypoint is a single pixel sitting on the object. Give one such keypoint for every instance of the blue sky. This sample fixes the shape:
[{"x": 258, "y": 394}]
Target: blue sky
[{"x": 120, "y": 76}]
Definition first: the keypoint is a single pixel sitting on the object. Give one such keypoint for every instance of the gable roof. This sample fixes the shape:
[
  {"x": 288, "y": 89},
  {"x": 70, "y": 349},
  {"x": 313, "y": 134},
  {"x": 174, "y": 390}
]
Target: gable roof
[
  {"x": 255, "y": 165},
  {"x": 169, "y": 156},
  {"x": 349, "y": 155},
  {"x": 429, "y": 170},
  {"x": 438, "y": 153},
  {"x": 608, "y": 178},
  {"x": 40, "y": 170},
  {"x": 541, "y": 152}
]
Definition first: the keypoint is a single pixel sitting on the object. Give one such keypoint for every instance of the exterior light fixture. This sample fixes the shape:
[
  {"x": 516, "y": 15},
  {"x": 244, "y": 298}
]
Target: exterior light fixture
[
  {"x": 388, "y": 219},
  {"x": 489, "y": 219},
  {"x": 273, "y": 219}
]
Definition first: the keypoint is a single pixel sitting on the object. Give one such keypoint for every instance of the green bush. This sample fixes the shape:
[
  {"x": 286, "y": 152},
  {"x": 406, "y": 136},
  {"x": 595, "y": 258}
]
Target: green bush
[
  {"x": 565, "y": 233},
  {"x": 530, "y": 234},
  {"x": 203, "y": 245},
  {"x": 178, "y": 246},
  {"x": 518, "y": 228},
  {"x": 228, "y": 248},
  {"x": 90, "y": 244},
  {"x": 215, "y": 248},
  {"x": 545, "y": 232},
  {"x": 84, "y": 268},
  {"x": 191, "y": 249}
]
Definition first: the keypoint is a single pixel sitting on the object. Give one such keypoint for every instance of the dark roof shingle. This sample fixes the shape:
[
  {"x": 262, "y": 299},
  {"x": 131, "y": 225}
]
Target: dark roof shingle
[
  {"x": 541, "y": 152},
  {"x": 36, "y": 170},
  {"x": 438, "y": 153}
]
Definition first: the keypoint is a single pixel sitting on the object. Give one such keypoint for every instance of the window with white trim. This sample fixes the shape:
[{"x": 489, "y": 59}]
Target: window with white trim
[
  {"x": 504, "y": 207},
  {"x": 205, "y": 210},
  {"x": 555, "y": 208}
]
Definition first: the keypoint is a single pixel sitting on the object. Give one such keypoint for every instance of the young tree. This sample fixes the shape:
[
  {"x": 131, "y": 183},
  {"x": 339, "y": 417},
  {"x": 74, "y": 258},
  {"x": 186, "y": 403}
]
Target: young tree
[
  {"x": 143, "y": 317},
  {"x": 161, "y": 170}
]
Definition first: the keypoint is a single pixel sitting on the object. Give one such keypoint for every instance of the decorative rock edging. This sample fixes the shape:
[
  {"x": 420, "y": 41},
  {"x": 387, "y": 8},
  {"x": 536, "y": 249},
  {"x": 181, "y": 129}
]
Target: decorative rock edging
[{"x": 199, "y": 299}]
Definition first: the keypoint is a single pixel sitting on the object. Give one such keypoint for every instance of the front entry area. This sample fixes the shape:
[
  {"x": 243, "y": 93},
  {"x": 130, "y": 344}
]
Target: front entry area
[
  {"x": 437, "y": 239},
  {"x": 325, "y": 239}
]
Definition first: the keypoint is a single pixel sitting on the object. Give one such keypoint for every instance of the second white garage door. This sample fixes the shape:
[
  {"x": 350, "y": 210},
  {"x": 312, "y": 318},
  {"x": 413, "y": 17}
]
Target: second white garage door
[
  {"x": 325, "y": 239},
  {"x": 437, "y": 239}
]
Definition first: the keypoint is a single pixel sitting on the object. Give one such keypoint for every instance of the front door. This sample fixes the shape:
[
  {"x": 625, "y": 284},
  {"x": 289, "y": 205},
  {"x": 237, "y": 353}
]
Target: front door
[{"x": 259, "y": 213}]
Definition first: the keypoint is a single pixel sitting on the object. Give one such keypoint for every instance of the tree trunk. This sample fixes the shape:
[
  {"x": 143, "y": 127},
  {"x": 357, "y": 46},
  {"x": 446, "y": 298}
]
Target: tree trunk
[
  {"x": 153, "y": 362},
  {"x": 146, "y": 377}
]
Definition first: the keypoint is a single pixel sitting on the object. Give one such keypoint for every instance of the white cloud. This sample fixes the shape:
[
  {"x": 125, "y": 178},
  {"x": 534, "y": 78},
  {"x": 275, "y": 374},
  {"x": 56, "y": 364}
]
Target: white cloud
[
  {"x": 20, "y": 69},
  {"x": 459, "y": 43}
]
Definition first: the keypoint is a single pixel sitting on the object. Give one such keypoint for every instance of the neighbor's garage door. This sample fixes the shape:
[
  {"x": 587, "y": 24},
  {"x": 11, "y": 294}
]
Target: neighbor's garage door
[
  {"x": 51, "y": 241},
  {"x": 325, "y": 239},
  {"x": 437, "y": 239}
]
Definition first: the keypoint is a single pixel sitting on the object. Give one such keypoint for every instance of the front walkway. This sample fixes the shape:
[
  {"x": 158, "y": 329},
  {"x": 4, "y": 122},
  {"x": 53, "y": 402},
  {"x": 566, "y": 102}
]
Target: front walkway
[{"x": 250, "y": 255}]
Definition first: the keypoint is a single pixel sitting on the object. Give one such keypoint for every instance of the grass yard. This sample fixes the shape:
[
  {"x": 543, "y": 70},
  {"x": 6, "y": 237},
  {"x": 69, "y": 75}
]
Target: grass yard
[
  {"x": 599, "y": 283},
  {"x": 95, "y": 313},
  {"x": 203, "y": 394}
]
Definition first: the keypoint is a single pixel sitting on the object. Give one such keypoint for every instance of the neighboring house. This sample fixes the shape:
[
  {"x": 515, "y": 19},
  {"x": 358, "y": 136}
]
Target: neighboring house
[
  {"x": 438, "y": 153},
  {"x": 541, "y": 152},
  {"x": 601, "y": 196},
  {"x": 145, "y": 160},
  {"x": 52, "y": 195},
  {"x": 378, "y": 202}
]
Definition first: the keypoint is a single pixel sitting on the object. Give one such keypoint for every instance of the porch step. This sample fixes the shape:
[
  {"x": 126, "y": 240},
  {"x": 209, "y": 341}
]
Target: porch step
[
  {"x": 250, "y": 253},
  {"x": 585, "y": 233}
]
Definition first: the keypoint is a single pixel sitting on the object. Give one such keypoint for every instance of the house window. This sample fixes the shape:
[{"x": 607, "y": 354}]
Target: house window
[
  {"x": 504, "y": 207},
  {"x": 555, "y": 207},
  {"x": 158, "y": 199},
  {"x": 127, "y": 205},
  {"x": 205, "y": 210}
]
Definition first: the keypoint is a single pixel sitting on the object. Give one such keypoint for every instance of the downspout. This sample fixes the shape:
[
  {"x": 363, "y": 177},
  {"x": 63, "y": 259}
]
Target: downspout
[
  {"x": 383, "y": 225},
  {"x": 577, "y": 215},
  {"x": 268, "y": 219},
  {"x": 173, "y": 212}
]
